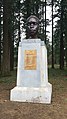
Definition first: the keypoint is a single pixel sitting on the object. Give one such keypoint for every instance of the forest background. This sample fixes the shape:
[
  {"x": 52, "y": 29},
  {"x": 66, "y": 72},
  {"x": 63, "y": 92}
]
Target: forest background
[{"x": 13, "y": 15}]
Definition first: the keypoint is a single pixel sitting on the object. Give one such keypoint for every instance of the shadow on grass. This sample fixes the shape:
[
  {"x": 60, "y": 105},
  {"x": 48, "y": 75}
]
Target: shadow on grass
[{"x": 8, "y": 79}]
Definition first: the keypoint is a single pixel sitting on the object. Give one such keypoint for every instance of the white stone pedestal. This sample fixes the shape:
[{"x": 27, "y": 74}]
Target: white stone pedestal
[{"x": 32, "y": 75}]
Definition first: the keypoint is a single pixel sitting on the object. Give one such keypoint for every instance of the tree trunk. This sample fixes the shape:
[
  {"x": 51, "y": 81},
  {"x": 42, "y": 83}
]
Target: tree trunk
[
  {"x": 0, "y": 38},
  {"x": 6, "y": 40},
  {"x": 66, "y": 48},
  {"x": 19, "y": 24},
  {"x": 61, "y": 40},
  {"x": 12, "y": 56},
  {"x": 10, "y": 37},
  {"x": 45, "y": 21},
  {"x": 52, "y": 39}
]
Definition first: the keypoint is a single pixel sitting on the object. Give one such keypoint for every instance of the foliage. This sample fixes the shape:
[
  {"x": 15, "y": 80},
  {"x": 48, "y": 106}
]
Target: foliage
[
  {"x": 19, "y": 11},
  {"x": 59, "y": 30}
]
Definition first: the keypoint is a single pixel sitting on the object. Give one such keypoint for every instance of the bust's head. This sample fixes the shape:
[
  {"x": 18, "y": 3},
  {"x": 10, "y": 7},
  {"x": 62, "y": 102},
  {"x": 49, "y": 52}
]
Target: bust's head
[{"x": 32, "y": 26}]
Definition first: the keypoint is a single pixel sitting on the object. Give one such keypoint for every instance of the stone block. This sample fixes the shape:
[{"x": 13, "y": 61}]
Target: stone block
[{"x": 32, "y": 74}]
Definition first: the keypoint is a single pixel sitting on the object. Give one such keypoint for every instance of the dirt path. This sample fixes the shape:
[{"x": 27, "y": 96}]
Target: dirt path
[{"x": 14, "y": 110}]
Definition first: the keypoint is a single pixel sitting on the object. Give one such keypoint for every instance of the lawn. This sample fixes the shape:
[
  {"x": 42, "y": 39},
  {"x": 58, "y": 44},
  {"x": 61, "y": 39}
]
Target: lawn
[{"x": 17, "y": 110}]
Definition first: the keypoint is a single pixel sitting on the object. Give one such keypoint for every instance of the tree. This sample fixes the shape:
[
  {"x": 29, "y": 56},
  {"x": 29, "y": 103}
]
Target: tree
[
  {"x": 1, "y": 4},
  {"x": 0, "y": 38},
  {"x": 6, "y": 37},
  {"x": 45, "y": 21},
  {"x": 61, "y": 38},
  {"x": 60, "y": 29},
  {"x": 65, "y": 30},
  {"x": 52, "y": 39}
]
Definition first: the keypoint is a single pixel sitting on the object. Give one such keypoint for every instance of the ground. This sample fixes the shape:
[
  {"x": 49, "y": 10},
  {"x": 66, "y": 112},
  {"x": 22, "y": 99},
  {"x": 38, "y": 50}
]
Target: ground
[{"x": 18, "y": 110}]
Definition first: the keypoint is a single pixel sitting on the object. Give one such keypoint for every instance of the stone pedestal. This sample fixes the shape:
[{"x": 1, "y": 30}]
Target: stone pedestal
[{"x": 32, "y": 76}]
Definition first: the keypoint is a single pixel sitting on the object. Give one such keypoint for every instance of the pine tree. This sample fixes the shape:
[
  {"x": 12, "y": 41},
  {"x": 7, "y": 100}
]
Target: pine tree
[{"x": 6, "y": 37}]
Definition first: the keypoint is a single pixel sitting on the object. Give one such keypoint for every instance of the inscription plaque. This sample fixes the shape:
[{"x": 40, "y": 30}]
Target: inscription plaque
[{"x": 30, "y": 60}]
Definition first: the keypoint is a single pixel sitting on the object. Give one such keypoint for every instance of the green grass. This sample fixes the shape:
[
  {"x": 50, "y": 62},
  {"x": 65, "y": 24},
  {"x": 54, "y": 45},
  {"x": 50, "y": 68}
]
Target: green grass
[
  {"x": 52, "y": 75},
  {"x": 8, "y": 79},
  {"x": 58, "y": 79},
  {"x": 57, "y": 73}
]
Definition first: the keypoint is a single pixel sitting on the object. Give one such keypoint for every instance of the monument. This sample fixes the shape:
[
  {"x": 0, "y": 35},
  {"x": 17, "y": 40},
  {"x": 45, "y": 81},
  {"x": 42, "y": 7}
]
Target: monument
[{"x": 32, "y": 73}]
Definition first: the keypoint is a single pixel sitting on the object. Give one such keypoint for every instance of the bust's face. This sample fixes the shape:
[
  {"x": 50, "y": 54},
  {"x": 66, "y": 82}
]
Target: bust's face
[{"x": 32, "y": 27}]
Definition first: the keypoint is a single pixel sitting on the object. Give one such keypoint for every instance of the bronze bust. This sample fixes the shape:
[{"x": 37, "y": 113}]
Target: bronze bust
[{"x": 32, "y": 26}]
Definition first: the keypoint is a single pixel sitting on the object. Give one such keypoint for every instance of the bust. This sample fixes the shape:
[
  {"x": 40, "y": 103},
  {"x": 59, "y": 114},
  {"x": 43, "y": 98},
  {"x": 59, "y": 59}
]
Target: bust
[{"x": 32, "y": 26}]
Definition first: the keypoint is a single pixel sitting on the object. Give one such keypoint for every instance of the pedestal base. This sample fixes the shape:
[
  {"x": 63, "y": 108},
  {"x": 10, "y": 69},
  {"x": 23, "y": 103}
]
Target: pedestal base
[{"x": 31, "y": 94}]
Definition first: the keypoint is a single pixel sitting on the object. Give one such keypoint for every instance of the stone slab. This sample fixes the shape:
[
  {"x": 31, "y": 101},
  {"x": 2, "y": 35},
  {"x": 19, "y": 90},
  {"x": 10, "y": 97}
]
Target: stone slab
[
  {"x": 34, "y": 95},
  {"x": 32, "y": 73},
  {"x": 28, "y": 73}
]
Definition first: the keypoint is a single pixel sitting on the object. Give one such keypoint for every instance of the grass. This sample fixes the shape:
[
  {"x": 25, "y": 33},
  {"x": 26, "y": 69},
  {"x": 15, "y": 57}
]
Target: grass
[
  {"x": 58, "y": 79},
  {"x": 53, "y": 74},
  {"x": 57, "y": 74},
  {"x": 8, "y": 79}
]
